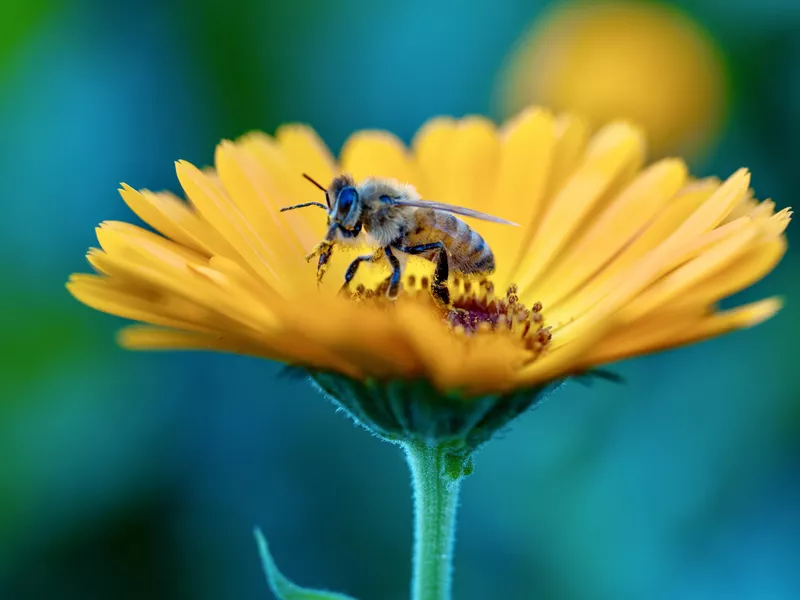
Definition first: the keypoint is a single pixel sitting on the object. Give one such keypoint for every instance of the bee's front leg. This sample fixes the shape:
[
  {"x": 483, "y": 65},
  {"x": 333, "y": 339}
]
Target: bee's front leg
[{"x": 323, "y": 250}]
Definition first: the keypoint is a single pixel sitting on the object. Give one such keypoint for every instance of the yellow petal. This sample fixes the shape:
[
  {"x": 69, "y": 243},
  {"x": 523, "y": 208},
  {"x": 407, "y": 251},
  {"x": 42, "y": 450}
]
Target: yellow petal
[
  {"x": 275, "y": 348},
  {"x": 489, "y": 363},
  {"x": 572, "y": 136},
  {"x": 100, "y": 294},
  {"x": 158, "y": 266},
  {"x": 613, "y": 230},
  {"x": 378, "y": 154},
  {"x": 224, "y": 216},
  {"x": 681, "y": 280},
  {"x": 137, "y": 337},
  {"x": 644, "y": 338},
  {"x": 608, "y": 157},
  {"x": 711, "y": 213},
  {"x": 432, "y": 341},
  {"x": 367, "y": 336},
  {"x": 307, "y": 224},
  {"x": 257, "y": 197},
  {"x": 176, "y": 220},
  {"x": 756, "y": 263},
  {"x": 307, "y": 152},
  {"x": 525, "y": 161},
  {"x": 116, "y": 236},
  {"x": 608, "y": 279},
  {"x": 431, "y": 148},
  {"x": 473, "y": 164},
  {"x": 462, "y": 158}
]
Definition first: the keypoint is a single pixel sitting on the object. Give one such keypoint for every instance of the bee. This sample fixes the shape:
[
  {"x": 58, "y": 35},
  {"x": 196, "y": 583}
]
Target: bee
[{"x": 397, "y": 220}]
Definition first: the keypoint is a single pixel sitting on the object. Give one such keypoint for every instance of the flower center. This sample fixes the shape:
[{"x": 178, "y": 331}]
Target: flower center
[{"x": 475, "y": 308}]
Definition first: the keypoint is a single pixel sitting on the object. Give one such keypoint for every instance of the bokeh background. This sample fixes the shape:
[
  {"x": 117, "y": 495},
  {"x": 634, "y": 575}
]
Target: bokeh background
[{"x": 127, "y": 475}]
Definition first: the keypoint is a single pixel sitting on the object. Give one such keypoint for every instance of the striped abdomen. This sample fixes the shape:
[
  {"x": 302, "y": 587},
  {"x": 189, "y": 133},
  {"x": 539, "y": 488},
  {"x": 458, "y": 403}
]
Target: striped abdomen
[{"x": 468, "y": 253}]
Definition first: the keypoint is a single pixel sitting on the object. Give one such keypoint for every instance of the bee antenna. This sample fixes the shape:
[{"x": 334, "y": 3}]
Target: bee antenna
[{"x": 316, "y": 183}]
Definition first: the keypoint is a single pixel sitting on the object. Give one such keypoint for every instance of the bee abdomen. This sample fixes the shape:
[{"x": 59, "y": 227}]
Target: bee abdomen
[{"x": 478, "y": 257}]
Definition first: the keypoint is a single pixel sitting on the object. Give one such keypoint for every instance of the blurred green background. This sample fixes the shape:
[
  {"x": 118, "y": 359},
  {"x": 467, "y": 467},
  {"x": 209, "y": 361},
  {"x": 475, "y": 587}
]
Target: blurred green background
[{"x": 127, "y": 475}]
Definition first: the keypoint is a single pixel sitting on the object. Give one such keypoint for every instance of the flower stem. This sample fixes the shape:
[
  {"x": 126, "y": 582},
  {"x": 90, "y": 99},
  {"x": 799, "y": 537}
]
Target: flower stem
[{"x": 436, "y": 477}]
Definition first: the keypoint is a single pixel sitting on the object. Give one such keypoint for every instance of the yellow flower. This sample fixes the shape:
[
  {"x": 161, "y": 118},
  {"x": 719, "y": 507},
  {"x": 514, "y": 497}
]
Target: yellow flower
[
  {"x": 623, "y": 60},
  {"x": 623, "y": 259}
]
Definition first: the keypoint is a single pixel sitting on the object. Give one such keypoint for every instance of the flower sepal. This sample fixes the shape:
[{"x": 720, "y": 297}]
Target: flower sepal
[{"x": 403, "y": 411}]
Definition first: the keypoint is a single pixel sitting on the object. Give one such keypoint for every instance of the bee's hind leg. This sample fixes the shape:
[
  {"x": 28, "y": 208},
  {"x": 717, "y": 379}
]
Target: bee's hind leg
[
  {"x": 439, "y": 287},
  {"x": 440, "y": 276},
  {"x": 394, "y": 278}
]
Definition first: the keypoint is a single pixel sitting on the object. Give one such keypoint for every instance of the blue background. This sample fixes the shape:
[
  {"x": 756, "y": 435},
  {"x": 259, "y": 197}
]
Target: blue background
[{"x": 126, "y": 475}]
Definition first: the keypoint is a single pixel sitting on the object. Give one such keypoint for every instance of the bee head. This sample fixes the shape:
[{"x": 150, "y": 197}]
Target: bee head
[{"x": 346, "y": 208}]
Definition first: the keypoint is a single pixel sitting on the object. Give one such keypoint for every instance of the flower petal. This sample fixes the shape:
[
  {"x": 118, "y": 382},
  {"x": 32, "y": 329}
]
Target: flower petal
[
  {"x": 104, "y": 295},
  {"x": 176, "y": 220},
  {"x": 613, "y": 230},
  {"x": 462, "y": 158},
  {"x": 307, "y": 152},
  {"x": 527, "y": 148},
  {"x": 608, "y": 158},
  {"x": 626, "y": 283},
  {"x": 431, "y": 148},
  {"x": 307, "y": 224},
  {"x": 144, "y": 260},
  {"x": 225, "y": 216},
  {"x": 378, "y": 154},
  {"x": 682, "y": 279},
  {"x": 672, "y": 332}
]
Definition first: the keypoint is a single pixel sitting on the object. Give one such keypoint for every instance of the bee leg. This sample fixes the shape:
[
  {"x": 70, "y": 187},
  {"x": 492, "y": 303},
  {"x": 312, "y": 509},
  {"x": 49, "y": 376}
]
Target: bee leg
[
  {"x": 440, "y": 276},
  {"x": 353, "y": 268},
  {"x": 322, "y": 265},
  {"x": 394, "y": 278},
  {"x": 323, "y": 250},
  {"x": 325, "y": 247},
  {"x": 442, "y": 272}
]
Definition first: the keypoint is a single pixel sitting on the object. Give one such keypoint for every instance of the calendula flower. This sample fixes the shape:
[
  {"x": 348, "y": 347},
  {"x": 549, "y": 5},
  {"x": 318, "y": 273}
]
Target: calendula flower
[
  {"x": 642, "y": 61},
  {"x": 612, "y": 259}
]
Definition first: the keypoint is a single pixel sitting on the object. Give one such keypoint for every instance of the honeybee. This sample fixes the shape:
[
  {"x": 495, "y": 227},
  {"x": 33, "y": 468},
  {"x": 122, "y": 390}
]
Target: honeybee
[{"x": 396, "y": 219}]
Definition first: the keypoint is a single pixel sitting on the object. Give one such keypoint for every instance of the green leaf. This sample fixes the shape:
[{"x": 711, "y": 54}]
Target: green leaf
[{"x": 282, "y": 587}]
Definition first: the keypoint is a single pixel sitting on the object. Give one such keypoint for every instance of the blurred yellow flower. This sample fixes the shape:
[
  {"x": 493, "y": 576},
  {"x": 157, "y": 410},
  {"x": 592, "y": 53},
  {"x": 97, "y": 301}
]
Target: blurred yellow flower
[
  {"x": 639, "y": 61},
  {"x": 613, "y": 260}
]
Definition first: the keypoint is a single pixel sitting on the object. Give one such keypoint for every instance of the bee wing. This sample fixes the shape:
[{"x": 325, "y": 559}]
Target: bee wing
[{"x": 456, "y": 210}]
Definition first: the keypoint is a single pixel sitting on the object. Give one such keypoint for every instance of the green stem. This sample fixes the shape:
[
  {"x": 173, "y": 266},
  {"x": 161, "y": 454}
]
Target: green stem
[{"x": 436, "y": 476}]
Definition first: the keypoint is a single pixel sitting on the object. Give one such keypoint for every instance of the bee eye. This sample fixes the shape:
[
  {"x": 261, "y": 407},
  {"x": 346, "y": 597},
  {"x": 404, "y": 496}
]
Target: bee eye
[
  {"x": 386, "y": 198},
  {"x": 347, "y": 196}
]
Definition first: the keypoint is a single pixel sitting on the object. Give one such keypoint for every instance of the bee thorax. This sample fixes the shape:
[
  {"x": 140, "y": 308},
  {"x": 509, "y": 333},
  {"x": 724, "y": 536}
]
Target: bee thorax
[{"x": 387, "y": 227}]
